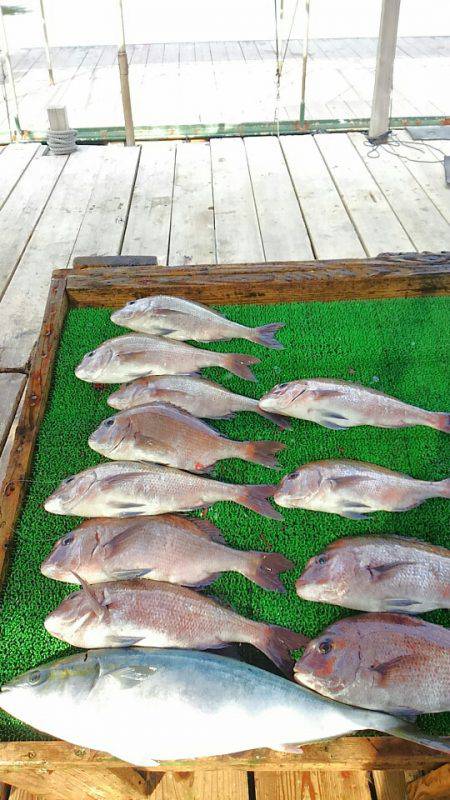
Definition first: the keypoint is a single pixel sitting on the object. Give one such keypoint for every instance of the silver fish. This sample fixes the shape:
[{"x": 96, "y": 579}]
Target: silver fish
[
  {"x": 177, "y": 318},
  {"x": 156, "y": 614},
  {"x": 169, "y": 547},
  {"x": 129, "y": 488},
  {"x": 132, "y": 356},
  {"x": 379, "y": 573},
  {"x": 342, "y": 404},
  {"x": 165, "y": 434},
  {"x": 353, "y": 489},
  {"x": 146, "y": 706},
  {"x": 200, "y": 397}
]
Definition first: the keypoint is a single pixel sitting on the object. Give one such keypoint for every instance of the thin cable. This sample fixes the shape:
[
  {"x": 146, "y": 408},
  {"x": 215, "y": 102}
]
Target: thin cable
[
  {"x": 280, "y": 63},
  {"x": 393, "y": 142}
]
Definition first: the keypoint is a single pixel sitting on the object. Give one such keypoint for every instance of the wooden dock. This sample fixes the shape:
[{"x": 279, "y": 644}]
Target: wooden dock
[
  {"x": 191, "y": 83},
  {"x": 224, "y": 201}
]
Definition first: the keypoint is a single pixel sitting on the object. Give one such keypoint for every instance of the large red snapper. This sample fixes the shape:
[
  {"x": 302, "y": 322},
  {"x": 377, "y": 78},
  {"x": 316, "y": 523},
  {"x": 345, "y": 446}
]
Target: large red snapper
[{"x": 387, "y": 662}]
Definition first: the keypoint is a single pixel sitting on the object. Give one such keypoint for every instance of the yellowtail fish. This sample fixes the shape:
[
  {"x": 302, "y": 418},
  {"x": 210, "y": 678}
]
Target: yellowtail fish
[
  {"x": 177, "y": 318},
  {"x": 226, "y": 706},
  {"x": 156, "y": 614},
  {"x": 170, "y": 547},
  {"x": 379, "y": 573},
  {"x": 387, "y": 662},
  {"x": 342, "y": 404},
  {"x": 353, "y": 489},
  {"x": 135, "y": 355},
  {"x": 165, "y": 434},
  {"x": 200, "y": 397},
  {"x": 130, "y": 488}
]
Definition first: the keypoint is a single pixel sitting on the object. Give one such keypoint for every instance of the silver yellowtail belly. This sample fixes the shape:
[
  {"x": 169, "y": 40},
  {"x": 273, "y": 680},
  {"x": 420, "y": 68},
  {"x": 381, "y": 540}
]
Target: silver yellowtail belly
[
  {"x": 164, "y": 315},
  {"x": 353, "y": 489},
  {"x": 145, "y": 706},
  {"x": 200, "y": 397},
  {"x": 157, "y": 614},
  {"x": 134, "y": 355},
  {"x": 341, "y": 404},
  {"x": 379, "y": 573},
  {"x": 130, "y": 488},
  {"x": 169, "y": 547}
]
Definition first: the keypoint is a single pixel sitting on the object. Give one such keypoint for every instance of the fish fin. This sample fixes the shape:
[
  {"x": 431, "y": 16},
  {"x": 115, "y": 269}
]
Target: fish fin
[
  {"x": 149, "y": 441},
  {"x": 282, "y": 422},
  {"x": 131, "y": 676},
  {"x": 255, "y": 497},
  {"x": 408, "y": 714},
  {"x": 277, "y": 642},
  {"x": 319, "y": 394},
  {"x": 265, "y": 335},
  {"x": 351, "y": 512},
  {"x": 99, "y": 608},
  {"x": 207, "y": 530},
  {"x": 332, "y": 425},
  {"x": 264, "y": 568},
  {"x": 405, "y": 730},
  {"x": 380, "y": 572},
  {"x": 440, "y": 421},
  {"x": 388, "y": 669},
  {"x": 239, "y": 365},
  {"x": 401, "y": 605},
  {"x": 164, "y": 331},
  {"x": 343, "y": 481},
  {"x": 231, "y": 415},
  {"x": 206, "y": 582},
  {"x": 121, "y": 641},
  {"x": 295, "y": 749},
  {"x": 130, "y": 574},
  {"x": 262, "y": 452},
  {"x": 130, "y": 358},
  {"x": 442, "y": 488},
  {"x": 121, "y": 542}
]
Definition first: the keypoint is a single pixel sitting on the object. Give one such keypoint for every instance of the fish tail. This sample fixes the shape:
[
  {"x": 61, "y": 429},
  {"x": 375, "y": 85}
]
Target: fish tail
[
  {"x": 407, "y": 730},
  {"x": 255, "y": 498},
  {"x": 441, "y": 488},
  {"x": 265, "y": 335},
  {"x": 239, "y": 365},
  {"x": 440, "y": 421},
  {"x": 276, "y": 643},
  {"x": 262, "y": 452},
  {"x": 264, "y": 569},
  {"x": 279, "y": 420}
]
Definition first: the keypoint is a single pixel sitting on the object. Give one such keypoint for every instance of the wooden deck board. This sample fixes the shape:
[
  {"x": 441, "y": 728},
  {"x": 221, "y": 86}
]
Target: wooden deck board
[
  {"x": 11, "y": 387},
  {"x": 217, "y": 785},
  {"x": 192, "y": 231},
  {"x": 17, "y": 157}
]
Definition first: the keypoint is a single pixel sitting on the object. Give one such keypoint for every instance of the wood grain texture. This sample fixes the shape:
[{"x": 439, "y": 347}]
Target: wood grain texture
[
  {"x": 389, "y": 785},
  {"x": 79, "y": 784},
  {"x": 289, "y": 785},
  {"x": 11, "y": 386},
  {"x": 267, "y": 283},
  {"x": 434, "y": 786},
  {"x": 346, "y": 785},
  {"x": 13, "y": 487},
  {"x": 220, "y": 784},
  {"x": 82, "y": 262},
  {"x": 347, "y": 753}
]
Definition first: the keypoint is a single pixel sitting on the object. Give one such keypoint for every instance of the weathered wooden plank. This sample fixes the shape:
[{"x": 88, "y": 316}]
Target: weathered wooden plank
[
  {"x": 430, "y": 174},
  {"x": 102, "y": 230},
  {"x": 220, "y": 784},
  {"x": 23, "y": 794},
  {"x": 14, "y": 162},
  {"x": 237, "y": 231},
  {"x": 85, "y": 262},
  {"x": 50, "y": 245},
  {"x": 11, "y": 387},
  {"x": 348, "y": 753},
  {"x": 192, "y": 230},
  {"x": 369, "y": 211},
  {"x": 289, "y": 785},
  {"x": 283, "y": 230},
  {"x": 330, "y": 228},
  {"x": 423, "y": 223},
  {"x": 77, "y": 783},
  {"x": 148, "y": 226},
  {"x": 22, "y": 210},
  {"x": 389, "y": 785},
  {"x": 268, "y": 283},
  {"x": 348, "y": 785},
  {"x": 434, "y": 786}
]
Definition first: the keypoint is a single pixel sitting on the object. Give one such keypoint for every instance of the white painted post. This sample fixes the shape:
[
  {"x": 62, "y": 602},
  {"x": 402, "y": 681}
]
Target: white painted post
[
  {"x": 57, "y": 118},
  {"x": 12, "y": 101},
  {"x": 125, "y": 84},
  {"x": 382, "y": 92}
]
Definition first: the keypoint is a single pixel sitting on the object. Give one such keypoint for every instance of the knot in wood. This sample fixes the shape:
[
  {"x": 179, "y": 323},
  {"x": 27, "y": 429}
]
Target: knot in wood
[{"x": 10, "y": 488}]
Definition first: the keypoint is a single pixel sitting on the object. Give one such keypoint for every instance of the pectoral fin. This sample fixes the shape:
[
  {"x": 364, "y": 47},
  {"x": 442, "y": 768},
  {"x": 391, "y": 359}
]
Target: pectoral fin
[
  {"x": 100, "y": 608},
  {"x": 132, "y": 676},
  {"x": 385, "y": 570},
  {"x": 121, "y": 641},
  {"x": 129, "y": 575},
  {"x": 208, "y": 530},
  {"x": 396, "y": 668}
]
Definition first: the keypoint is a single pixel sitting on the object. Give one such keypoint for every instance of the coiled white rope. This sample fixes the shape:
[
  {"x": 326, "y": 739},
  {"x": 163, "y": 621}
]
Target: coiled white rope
[{"x": 62, "y": 143}]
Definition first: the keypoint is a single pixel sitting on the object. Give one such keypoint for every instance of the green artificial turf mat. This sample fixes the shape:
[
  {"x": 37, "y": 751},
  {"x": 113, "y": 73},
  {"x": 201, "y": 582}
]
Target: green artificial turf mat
[{"x": 397, "y": 346}]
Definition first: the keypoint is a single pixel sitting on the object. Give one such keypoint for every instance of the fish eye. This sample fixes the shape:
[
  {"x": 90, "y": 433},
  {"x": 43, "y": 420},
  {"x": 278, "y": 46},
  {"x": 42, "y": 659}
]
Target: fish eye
[
  {"x": 89, "y": 355},
  {"x": 281, "y": 385},
  {"x": 292, "y": 475},
  {"x": 132, "y": 302},
  {"x": 69, "y": 480},
  {"x": 321, "y": 560},
  {"x": 35, "y": 677},
  {"x": 109, "y": 422},
  {"x": 67, "y": 540},
  {"x": 326, "y": 646}
]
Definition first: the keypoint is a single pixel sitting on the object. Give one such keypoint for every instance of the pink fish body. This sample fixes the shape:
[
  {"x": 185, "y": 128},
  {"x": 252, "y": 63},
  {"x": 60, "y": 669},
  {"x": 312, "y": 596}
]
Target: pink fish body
[
  {"x": 153, "y": 614},
  {"x": 353, "y": 489},
  {"x": 387, "y": 662},
  {"x": 342, "y": 404},
  {"x": 170, "y": 547}
]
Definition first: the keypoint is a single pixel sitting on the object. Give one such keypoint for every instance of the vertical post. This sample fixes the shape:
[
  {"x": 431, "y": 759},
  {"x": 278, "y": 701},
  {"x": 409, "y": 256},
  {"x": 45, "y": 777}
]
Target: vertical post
[
  {"x": 57, "y": 118},
  {"x": 382, "y": 92},
  {"x": 46, "y": 44},
  {"x": 304, "y": 62},
  {"x": 125, "y": 85},
  {"x": 4, "y": 53}
]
